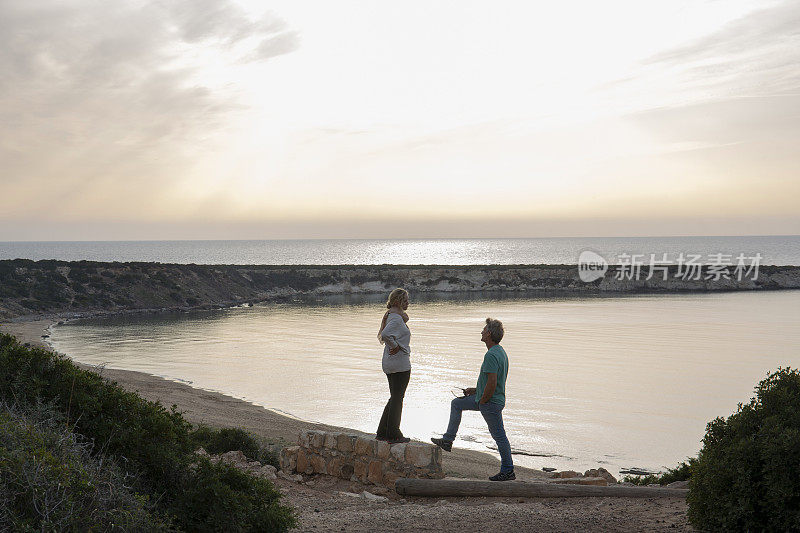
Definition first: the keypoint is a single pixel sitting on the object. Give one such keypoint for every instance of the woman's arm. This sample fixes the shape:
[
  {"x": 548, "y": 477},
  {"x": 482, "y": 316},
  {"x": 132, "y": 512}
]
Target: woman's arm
[{"x": 383, "y": 325}]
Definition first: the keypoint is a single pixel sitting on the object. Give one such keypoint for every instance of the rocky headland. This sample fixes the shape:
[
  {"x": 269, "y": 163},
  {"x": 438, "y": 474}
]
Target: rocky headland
[{"x": 57, "y": 287}]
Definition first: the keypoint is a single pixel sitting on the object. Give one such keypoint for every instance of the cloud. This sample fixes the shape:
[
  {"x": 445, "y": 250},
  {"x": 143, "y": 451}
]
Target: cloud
[
  {"x": 99, "y": 101},
  {"x": 764, "y": 119},
  {"x": 756, "y": 54}
]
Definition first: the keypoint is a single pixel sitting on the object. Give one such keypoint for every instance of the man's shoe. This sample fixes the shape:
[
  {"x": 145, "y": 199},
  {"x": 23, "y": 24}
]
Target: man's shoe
[
  {"x": 446, "y": 445},
  {"x": 503, "y": 476}
]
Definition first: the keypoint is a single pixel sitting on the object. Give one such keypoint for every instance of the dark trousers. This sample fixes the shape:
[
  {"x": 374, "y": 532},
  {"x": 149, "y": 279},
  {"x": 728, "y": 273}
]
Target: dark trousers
[{"x": 389, "y": 426}]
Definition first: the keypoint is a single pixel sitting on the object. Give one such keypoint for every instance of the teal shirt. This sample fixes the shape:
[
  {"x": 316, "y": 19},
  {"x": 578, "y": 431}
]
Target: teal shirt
[{"x": 494, "y": 362}]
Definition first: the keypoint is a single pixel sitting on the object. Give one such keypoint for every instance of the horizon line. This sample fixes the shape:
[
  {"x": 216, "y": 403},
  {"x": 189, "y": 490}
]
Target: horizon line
[{"x": 411, "y": 238}]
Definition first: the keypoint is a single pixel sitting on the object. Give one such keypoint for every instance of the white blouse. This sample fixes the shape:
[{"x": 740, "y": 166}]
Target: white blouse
[{"x": 396, "y": 333}]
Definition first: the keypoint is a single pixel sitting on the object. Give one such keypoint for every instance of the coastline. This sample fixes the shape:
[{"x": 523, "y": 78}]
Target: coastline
[
  {"x": 220, "y": 410},
  {"x": 323, "y": 503}
]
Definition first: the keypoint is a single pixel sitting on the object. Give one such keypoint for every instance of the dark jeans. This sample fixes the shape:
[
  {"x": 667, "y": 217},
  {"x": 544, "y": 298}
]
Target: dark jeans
[
  {"x": 493, "y": 414},
  {"x": 389, "y": 426}
]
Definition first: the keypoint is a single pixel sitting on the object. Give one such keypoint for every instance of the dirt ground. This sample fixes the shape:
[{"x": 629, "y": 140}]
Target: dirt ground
[{"x": 324, "y": 503}]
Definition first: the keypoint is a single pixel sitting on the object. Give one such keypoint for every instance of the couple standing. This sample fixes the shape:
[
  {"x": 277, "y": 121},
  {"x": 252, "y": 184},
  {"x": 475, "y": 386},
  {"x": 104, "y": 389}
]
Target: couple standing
[{"x": 488, "y": 396}]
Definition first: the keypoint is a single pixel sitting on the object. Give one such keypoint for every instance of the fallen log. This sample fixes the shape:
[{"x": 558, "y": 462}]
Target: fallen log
[{"x": 526, "y": 489}]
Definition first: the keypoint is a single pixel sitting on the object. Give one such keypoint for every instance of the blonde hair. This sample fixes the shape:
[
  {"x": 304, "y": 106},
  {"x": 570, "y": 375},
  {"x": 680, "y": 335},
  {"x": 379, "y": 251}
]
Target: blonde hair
[
  {"x": 496, "y": 330},
  {"x": 395, "y": 297}
]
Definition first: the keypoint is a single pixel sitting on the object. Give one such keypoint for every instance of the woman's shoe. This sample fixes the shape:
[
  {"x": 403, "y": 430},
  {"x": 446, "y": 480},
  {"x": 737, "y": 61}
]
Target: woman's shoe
[
  {"x": 381, "y": 437},
  {"x": 399, "y": 440}
]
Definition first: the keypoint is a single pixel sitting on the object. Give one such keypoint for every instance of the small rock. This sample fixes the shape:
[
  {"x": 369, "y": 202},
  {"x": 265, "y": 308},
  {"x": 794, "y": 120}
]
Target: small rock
[
  {"x": 580, "y": 481},
  {"x": 234, "y": 457},
  {"x": 297, "y": 478},
  {"x": 382, "y": 491},
  {"x": 267, "y": 472},
  {"x": 373, "y": 498},
  {"x": 567, "y": 474},
  {"x": 679, "y": 484},
  {"x": 601, "y": 472}
]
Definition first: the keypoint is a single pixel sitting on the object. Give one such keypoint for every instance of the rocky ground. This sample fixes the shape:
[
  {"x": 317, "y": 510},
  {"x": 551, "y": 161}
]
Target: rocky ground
[{"x": 327, "y": 504}]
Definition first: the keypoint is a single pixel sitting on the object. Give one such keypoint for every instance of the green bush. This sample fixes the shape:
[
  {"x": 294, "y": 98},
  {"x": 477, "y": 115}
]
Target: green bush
[
  {"x": 51, "y": 483},
  {"x": 270, "y": 456},
  {"x": 152, "y": 440},
  {"x": 216, "y": 441},
  {"x": 747, "y": 475},
  {"x": 682, "y": 472},
  {"x": 218, "y": 497},
  {"x": 152, "y": 443},
  {"x": 224, "y": 440}
]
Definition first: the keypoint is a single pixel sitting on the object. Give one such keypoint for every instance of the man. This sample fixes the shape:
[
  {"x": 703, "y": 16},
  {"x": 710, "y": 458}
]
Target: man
[{"x": 488, "y": 397}]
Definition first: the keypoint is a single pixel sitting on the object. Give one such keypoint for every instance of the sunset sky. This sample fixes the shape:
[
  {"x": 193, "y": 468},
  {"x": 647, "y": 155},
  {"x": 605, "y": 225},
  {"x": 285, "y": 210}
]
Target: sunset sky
[{"x": 215, "y": 119}]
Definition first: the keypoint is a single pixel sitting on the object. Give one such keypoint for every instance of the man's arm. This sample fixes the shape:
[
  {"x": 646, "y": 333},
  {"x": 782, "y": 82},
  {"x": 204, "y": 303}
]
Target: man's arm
[{"x": 491, "y": 384}]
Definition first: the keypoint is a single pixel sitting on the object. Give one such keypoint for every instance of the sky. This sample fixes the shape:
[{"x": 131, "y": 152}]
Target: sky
[{"x": 227, "y": 119}]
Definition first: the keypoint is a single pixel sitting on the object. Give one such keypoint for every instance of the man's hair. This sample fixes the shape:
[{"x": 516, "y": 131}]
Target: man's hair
[
  {"x": 496, "y": 330},
  {"x": 395, "y": 297}
]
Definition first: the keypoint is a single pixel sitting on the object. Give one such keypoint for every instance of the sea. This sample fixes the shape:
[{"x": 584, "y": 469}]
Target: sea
[
  {"x": 772, "y": 249},
  {"x": 619, "y": 381}
]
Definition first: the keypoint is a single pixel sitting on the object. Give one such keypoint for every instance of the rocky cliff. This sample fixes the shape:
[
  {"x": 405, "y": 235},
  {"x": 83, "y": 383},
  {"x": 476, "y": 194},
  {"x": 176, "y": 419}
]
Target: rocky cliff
[{"x": 38, "y": 287}]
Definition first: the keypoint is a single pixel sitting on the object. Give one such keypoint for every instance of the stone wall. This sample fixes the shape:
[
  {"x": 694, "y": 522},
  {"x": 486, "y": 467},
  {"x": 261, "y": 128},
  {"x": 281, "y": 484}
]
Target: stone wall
[{"x": 360, "y": 458}]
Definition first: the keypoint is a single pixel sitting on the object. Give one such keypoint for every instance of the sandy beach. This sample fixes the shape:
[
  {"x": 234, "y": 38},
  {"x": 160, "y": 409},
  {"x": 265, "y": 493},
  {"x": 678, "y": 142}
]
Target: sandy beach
[{"x": 323, "y": 504}]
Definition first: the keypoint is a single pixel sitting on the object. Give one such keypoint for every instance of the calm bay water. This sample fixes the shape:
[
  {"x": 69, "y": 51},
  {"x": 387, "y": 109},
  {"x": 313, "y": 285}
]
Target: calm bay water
[
  {"x": 775, "y": 250},
  {"x": 625, "y": 381}
]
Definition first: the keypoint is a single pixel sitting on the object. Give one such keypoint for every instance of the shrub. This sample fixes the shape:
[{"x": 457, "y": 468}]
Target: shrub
[
  {"x": 152, "y": 440},
  {"x": 218, "y": 497},
  {"x": 225, "y": 439},
  {"x": 152, "y": 443},
  {"x": 50, "y": 482},
  {"x": 216, "y": 441},
  {"x": 747, "y": 475},
  {"x": 270, "y": 456},
  {"x": 682, "y": 472}
]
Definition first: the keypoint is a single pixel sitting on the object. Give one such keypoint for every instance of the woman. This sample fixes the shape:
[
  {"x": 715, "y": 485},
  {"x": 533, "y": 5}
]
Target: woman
[{"x": 396, "y": 364}]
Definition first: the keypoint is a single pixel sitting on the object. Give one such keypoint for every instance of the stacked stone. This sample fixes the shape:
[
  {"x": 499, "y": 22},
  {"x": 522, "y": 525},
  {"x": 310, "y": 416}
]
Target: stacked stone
[{"x": 358, "y": 458}]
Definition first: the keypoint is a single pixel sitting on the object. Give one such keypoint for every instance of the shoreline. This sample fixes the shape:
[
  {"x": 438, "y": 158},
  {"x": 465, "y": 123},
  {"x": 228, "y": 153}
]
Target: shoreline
[
  {"x": 323, "y": 503},
  {"x": 220, "y": 410}
]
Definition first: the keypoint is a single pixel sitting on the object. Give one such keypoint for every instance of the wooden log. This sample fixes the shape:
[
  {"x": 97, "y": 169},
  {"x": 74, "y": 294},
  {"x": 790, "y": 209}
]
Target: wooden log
[{"x": 526, "y": 489}]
